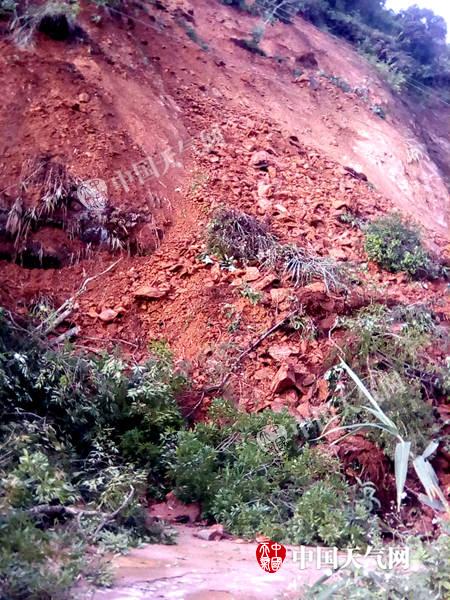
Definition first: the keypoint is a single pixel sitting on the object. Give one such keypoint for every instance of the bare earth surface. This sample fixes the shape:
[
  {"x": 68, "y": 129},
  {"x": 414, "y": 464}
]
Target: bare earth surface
[{"x": 195, "y": 569}]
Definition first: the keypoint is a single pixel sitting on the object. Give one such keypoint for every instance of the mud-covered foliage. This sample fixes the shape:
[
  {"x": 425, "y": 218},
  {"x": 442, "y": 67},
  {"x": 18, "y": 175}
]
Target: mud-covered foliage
[
  {"x": 254, "y": 473},
  {"x": 49, "y": 196},
  {"x": 396, "y": 245}
]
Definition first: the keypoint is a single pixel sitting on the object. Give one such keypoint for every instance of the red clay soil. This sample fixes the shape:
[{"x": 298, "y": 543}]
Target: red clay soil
[{"x": 137, "y": 86}]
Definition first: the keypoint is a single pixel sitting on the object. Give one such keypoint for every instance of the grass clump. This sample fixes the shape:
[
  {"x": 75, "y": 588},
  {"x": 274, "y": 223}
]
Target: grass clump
[
  {"x": 253, "y": 473},
  {"x": 396, "y": 245},
  {"x": 237, "y": 234},
  {"x": 243, "y": 237},
  {"x": 303, "y": 267}
]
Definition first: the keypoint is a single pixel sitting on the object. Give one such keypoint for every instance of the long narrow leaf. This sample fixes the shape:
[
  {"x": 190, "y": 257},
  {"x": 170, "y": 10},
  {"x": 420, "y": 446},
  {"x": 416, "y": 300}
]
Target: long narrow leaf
[
  {"x": 429, "y": 480},
  {"x": 383, "y": 418},
  {"x": 402, "y": 450},
  {"x": 358, "y": 426},
  {"x": 434, "y": 504},
  {"x": 430, "y": 449}
]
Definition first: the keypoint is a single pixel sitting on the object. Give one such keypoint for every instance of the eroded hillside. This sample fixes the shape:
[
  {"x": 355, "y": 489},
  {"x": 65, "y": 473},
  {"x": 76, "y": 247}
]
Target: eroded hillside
[{"x": 154, "y": 117}]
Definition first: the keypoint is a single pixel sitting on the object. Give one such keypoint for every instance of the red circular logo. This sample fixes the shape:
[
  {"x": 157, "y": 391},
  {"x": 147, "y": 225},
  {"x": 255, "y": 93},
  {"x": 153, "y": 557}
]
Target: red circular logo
[{"x": 270, "y": 556}]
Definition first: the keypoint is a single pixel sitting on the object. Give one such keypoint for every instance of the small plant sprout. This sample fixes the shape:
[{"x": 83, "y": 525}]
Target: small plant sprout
[{"x": 252, "y": 295}]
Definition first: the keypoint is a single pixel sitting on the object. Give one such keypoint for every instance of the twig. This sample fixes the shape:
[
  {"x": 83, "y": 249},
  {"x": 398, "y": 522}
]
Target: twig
[
  {"x": 69, "y": 303},
  {"x": 60, "y": 510},
  {"x": 107, "y": 340},
  {"x": 253, "y": 345},
  {"x": 112, "y": 516}
]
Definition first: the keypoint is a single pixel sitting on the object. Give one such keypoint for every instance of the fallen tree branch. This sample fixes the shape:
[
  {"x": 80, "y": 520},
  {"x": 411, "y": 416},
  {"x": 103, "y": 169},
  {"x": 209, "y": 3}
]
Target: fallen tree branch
[
  {"x": 59, "y": 510},
  {"x": 65, "y": 336},
  {"x": 57, "y": 321},
  {"x": 218, "y": 387},
  {"x": 66, "y": 307},
  {"x": 112, "y": 516}
]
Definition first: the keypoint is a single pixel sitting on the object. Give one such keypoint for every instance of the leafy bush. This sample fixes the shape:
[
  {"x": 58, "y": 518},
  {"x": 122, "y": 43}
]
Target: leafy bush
[
  {"x": 83, "y": 439},
  {"x": 326, "y": 513},
  {"x": 396, "y": 246},
  {"x": 251, "y": 472},
  {"x": 38, "y": 564}
]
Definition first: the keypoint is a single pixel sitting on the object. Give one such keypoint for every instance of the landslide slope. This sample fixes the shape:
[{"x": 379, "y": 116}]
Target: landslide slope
[{"x": 169, "y": 81}]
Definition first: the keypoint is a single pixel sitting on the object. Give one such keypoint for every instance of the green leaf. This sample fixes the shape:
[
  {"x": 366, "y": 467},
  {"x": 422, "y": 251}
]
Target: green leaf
[
  {"x": 402, "y": 450},
  {"x": 429, "y": 480},
  {"x": 377, "y": 408}
]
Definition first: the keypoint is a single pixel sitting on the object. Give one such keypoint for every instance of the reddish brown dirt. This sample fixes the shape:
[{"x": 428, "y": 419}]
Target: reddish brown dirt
[{"x": 139, "y": 86}]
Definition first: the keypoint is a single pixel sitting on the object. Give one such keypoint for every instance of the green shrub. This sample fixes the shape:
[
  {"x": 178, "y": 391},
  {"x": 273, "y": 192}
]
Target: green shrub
[
  {"x": 250, "y": 472},
  {"x": 77, "y": 433},
  {"x": 37, "y": 564},
  {"x": 35, "y": 481},
  {"x": 326, "y": 514},
  {"x": 396, "y": 246},
  {"x": 195, "y": 467}
]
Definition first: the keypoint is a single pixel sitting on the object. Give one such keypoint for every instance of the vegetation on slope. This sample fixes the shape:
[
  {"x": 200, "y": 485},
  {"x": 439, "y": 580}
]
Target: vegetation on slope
[
  {"x": 409, "y": 47},
  {"x": 87, "y": 440}
]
